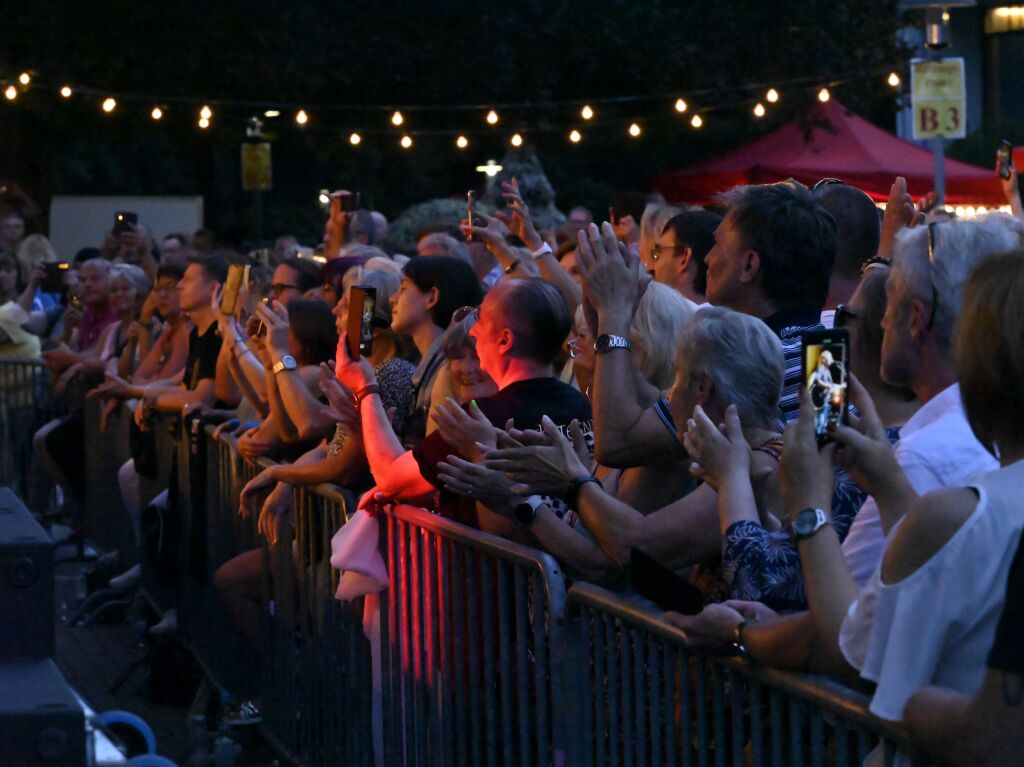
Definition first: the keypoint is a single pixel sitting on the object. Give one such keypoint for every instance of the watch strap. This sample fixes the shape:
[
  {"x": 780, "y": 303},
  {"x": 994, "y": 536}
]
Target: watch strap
[
  {"x": 365, "y": 392},
  {"x": 606, "y": 342},
  {"x": 541, "y": 251},
  {"x": 809, "y": 522},
  {"x": 526, "y": 510},
  {"x": 572, "y": 490}
]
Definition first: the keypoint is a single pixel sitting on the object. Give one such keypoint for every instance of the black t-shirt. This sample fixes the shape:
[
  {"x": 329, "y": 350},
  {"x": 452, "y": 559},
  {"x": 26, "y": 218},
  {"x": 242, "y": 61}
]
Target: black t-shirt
[
  {"x": 202, "y": 355},
  {"x": 1007, "y": 652},
  {"x": 525, "y": 402}
]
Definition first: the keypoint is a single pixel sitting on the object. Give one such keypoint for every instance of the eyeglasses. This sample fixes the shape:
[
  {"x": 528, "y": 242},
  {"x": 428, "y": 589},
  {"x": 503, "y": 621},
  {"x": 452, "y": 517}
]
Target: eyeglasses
[
  {"x": 931, "y": 268},
  {"x": 463, "y": 312},
  {"x": 844, "y": 315},
  {"x": 657, "y": 250},
  {"x": 280, "y": 287},
  {"x": 874, "y": 261},
  {"x": 827, "y": 182}
]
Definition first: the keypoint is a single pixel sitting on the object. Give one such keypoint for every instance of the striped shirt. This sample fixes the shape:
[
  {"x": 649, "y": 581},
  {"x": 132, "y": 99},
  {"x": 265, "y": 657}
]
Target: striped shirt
[{"x": 790, "y": 325}]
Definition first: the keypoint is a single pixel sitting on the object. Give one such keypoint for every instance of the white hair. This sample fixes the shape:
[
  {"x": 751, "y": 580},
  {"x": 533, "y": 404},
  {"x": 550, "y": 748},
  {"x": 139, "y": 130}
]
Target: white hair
[
  {"x": 133, "y": 275},
  {"x": 742, "y": 357},
  {"x": 652, "y": 222},
  {"x": 659, "y": 317},
  {"x": 959, "y": 246}
]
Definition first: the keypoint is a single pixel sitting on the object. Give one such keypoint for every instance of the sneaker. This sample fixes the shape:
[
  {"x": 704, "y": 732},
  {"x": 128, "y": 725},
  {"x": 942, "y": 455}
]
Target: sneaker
[
  {"x": 168, "y": 624},
  {"x": 127, "y": 580},
  {"x": 246, "y": 714}
]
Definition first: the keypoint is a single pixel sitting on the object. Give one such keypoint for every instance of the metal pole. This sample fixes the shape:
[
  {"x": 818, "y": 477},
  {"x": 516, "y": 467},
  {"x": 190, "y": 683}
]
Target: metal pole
[{"x": 939, "y": 151}]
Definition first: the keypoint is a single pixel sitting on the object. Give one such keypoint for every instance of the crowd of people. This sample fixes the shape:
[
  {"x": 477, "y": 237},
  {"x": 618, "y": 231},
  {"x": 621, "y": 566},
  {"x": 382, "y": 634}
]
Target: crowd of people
[{"x": 602, "y": 390}]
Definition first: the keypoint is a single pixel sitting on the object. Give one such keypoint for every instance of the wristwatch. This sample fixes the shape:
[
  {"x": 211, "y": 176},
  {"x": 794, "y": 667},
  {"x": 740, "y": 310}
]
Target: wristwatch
[
  {"x": 526, "y": 510},
  {"x": 572, "y": 490},
  {"x": 287, "y": 362},
  {"x": 808, "y": 522},
  {"x": 606, "y": 342},
  {"x": 542, "y": 250}
]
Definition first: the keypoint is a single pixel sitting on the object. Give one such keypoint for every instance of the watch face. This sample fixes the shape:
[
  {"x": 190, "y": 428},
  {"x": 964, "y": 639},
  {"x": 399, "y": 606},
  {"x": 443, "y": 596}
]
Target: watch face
[{"x": 806, "y": 522}]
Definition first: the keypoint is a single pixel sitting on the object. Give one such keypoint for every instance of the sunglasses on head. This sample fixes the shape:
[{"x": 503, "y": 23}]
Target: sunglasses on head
[{"x": 463, "y": 312}]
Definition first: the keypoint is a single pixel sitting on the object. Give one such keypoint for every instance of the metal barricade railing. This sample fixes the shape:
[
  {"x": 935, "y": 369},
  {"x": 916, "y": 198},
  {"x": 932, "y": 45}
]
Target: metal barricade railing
[
  {"x": 471, "y": 634},
  {"x": 103, "y": 514},
  {"x": 26, "y": 404},
  {"x": 638, "y": 696}
]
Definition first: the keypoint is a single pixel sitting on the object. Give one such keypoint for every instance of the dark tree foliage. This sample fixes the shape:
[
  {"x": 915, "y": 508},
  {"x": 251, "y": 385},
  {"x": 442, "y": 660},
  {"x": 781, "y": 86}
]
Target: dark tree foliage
[{"x": 431, "y": 52}]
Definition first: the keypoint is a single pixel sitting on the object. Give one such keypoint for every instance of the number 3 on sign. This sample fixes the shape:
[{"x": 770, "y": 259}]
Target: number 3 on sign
[{"x": 938, "y": 120}]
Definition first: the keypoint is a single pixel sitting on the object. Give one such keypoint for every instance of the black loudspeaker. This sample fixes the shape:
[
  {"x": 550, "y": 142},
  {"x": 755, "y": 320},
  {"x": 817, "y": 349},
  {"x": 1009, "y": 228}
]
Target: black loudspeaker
[
  {"x": 41, "y": 723},
  {"x": 26, "y": 583}
]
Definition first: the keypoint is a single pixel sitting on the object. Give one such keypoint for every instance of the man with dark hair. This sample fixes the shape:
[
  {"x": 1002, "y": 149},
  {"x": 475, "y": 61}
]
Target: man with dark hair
[
  {"x": 678, "y": 256},
  {"x": 522, "y": 326},
  {"x": 293, "y": 277},
  {"x": 176, "y": 250},
  {"x": 858, "y": 230},
  {"x": 772, "y": 258}
]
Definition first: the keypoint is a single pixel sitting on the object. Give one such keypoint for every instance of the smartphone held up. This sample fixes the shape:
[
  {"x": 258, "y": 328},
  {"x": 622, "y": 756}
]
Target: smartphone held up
[
  {"x": 1005, "y": 155},
  {"x": 362, "y": 305},
  {"x": 826, "y": 360}
]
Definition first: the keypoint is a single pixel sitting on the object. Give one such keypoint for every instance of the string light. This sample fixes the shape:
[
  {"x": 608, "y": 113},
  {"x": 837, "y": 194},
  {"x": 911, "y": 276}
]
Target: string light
[
  {"x": 894, "y": 80},
  {"x": 109, "y": 104},
  {"x": 759, "y": 110},
  {"x": 634, "y": 130},
  {"x": 205, "y": 113},
  {"x": 354, "y": 139},
  {"x": 824, "y": 95},
  {"x": 204, "y": 123},
  {"x": 272, "y": 113},
  {"x": 301, "y": 117},
  {"x": 157, "y": 113},
  {"x": 11, "y": 92},
  {"x": 462, "y": 142},
  {"x": 406, "y": 142},
  {"x": 517, "y": 140},
  {"x": 492, "y": 118},
  {"x": 680, "y": 106},
  {"x": 397, "y": 119},
  {"x": 325, "y": 198},
  {"x": 586, "y": 113},
  {"x": 491, "y": 169},
  {"x": 66, "y": 91},
  {"x": 24, "y": 78},
  {"x": 696, "y": 122},
  {"x": 772, "y": 96},
  {"x": 575, "y": 136}
]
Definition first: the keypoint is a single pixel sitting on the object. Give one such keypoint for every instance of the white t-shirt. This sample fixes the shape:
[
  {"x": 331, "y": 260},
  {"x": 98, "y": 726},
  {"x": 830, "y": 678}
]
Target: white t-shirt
[
  {"x": 936, "y": 626},
  {"x": 936, "y": 449}
]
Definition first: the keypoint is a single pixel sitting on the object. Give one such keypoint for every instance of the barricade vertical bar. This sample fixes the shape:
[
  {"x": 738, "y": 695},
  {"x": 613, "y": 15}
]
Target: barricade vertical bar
[
  {"x": 842, "y": 745},
  {"x": 522, "y": 677},
  {"x": 458, "y": 612},
  {"x": 795, "y": 733},
  {"x": 415, "y": 635},
  {"x": 504, "y": 674},
  {"x": 776, "y": 728},
  {"x": 817, "y": 738},
  {"x": 595, "y": 626},
  {"x": 718, "y": 715},
  {"x": 543, "y": 625},
  {"x": 473, "y": 625},
  {"x": 684, "y": 680},
  {"x": 487, "y": 586},
  {"x": 653, "y": 684},
  {"x": 736, "y": 695},
  {"x": 611, "y": 646},
  {"x": 627, "y": 742},
  {"x": 756, "y": 723},
  {"x": 701, "y": 674}
]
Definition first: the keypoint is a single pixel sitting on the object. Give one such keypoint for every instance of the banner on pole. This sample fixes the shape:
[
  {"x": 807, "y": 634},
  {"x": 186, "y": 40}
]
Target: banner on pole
[{"x": 938, "y": 98}]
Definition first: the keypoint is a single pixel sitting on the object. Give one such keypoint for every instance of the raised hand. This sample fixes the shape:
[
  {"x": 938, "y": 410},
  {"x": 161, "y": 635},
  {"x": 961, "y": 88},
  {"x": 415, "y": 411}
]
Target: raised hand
[
  {"x": 470, "y": 433},
  {"x": 610, "y": 274},
  {"x": 519, "y": 222},
  {"x": 805, "y": 471},
  {"x": 900, "y": 213},
  {"x": 541, "y": 468},
  {"x": 492, "y": 488},
  {"x": 717, "y": 451}
]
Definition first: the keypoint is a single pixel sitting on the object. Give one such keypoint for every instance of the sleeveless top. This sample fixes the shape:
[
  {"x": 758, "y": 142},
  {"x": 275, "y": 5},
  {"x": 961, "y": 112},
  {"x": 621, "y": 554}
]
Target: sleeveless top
[{"x": 935, "y": 627}]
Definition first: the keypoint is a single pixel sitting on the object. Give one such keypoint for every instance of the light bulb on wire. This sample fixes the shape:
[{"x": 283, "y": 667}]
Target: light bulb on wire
[
  {"x": 272, "y": 113},
  {"x": 894, "y": 80},
  {"x": 516, "y": 140},
  {"x": 575, "y": 136},
  {"x": 587, "y": 113},
  {"x": 759, "y": 110},
  {"x": 301, "y": 118},
  {"x": 397, "y": 119},
  {"x": 204, "y": 123},
  {"x": 354, "y": 139},
  {"x": 406, "y": 142},
  {"x": 24, "y": 78},
  {"x": 680, "y": 106},
  {"x": 109, "y": 104},
  {"x": 492, "y": 118},
  {"x": 462, "y": 142},
  {"x": 635, "y": 131},
  {"x": 772, "y": 96},
  {"x": 205, "y": 113},
  {"x": 11, "y": 93},
  {"x": 65, "y": 92},
  {"x": 157, "y": 113},
  {"x": 824, "y": 95},
  {"x": 697, "y": 121}
]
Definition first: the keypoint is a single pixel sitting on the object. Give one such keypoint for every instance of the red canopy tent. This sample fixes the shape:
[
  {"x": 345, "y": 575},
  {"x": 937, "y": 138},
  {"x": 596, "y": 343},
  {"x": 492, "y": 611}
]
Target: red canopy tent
[{"x": 831, "y": 141}]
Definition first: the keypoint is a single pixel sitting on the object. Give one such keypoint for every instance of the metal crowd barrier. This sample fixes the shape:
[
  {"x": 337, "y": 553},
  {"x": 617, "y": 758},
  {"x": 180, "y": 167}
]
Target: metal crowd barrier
[
  {"x": 314, "y": 664},
  {"x": 485, "y": 658},
  {"x": 26, "y": 404},
  {"x": 638, "y": 696},
  {"x": 471, "y": 634}
]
